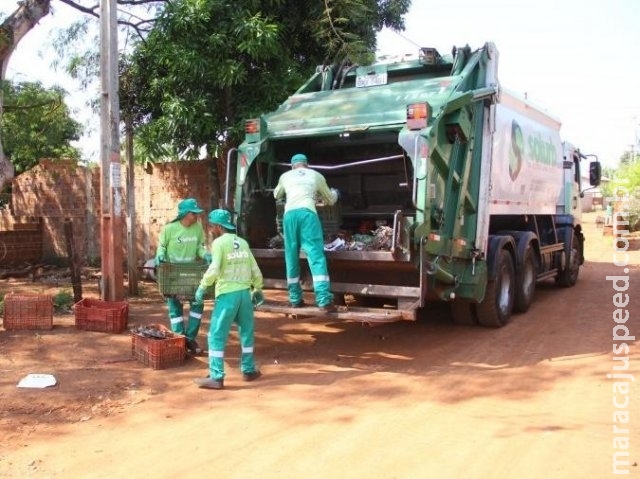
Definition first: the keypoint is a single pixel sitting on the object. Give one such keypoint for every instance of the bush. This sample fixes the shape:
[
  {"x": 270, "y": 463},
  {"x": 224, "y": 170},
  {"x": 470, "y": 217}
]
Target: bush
[
  {"x": 632, "y": 209},
  {"x": 63, "y": 301}
]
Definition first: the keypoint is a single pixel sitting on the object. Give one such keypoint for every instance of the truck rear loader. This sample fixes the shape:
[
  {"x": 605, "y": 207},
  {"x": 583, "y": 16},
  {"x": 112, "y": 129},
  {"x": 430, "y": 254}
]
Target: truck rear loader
[{"x": 466, "y": 191}]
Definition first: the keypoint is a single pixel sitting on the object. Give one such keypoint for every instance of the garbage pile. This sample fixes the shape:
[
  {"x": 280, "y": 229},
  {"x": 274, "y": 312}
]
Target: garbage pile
[
  {"x": 379, "y": 239},
  {"x": 153, "y": 331}
]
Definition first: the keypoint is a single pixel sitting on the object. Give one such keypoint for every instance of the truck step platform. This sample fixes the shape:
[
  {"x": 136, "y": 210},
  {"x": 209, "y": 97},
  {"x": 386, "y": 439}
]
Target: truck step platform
[{"x": 365, "y": 315}]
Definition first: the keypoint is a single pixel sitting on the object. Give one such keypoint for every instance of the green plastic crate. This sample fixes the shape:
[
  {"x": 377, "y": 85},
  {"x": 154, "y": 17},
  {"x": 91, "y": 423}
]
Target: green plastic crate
[{"x": 180, "y": 279}]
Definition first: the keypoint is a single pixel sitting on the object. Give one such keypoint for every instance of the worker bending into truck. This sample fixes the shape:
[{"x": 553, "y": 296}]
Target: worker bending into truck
[{"x": 302, "y": 229}]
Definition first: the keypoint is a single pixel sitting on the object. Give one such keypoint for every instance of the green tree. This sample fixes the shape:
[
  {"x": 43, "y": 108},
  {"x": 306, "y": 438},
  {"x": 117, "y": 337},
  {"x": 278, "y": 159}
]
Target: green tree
[
  {"x": 26, "y": 16},
  {"x": 204, "y": 65},
  {"x": 37, "y": 124},
  {"x": 12, "y": 30},
  {"x": 626, "y": 178},
  {"x": 209, "y": 64},
  {"x": 628, "y": 157}
]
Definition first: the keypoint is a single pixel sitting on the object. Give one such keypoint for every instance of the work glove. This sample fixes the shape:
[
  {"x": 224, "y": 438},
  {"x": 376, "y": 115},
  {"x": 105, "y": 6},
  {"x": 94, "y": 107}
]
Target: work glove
[
  {"x": 160, "y": 259},
  {"x": 337, "y": 192},
  {"x": 257, "y": 297},
  {"x": 199, "y": 297},
  {"x": 207, "y": 258}
]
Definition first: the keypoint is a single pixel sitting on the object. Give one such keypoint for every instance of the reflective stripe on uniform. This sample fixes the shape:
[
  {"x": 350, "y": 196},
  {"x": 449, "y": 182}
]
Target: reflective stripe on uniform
[
  {"x": 195, "y": 315},
  {"x": 216, "y": 354},
  {"x": 247, "y": 350},
  {"x": 324, "y": 277},
  {"x": 177, "y": 320},
  {"x": 293, "y": 280}
]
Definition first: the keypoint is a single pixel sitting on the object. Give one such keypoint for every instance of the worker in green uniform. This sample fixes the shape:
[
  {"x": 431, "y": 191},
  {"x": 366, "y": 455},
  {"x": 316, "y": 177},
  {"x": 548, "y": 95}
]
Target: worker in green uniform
[
  {"x": 182, "y": 240},
  {"x": 238, "y": 287},
  {"x": 302, "y": 229}
]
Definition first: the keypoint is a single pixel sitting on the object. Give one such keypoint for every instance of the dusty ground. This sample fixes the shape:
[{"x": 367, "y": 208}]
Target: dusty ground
[{"x": 337, "y": 400}]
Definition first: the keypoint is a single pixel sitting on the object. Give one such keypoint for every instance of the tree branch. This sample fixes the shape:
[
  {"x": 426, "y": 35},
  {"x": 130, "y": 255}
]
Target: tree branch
[
  {"x": 95, "y": 9},
  {"x": 140, "y": 27}
]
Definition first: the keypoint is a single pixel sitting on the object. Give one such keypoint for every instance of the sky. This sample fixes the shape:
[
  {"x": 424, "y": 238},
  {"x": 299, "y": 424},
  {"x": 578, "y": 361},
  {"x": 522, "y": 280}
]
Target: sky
[{"x": 576, "y": 59}]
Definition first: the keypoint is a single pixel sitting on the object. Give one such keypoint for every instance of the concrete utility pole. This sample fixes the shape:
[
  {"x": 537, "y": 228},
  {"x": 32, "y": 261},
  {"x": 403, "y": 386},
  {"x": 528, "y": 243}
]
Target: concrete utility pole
[{"x": 110, "y": 179}]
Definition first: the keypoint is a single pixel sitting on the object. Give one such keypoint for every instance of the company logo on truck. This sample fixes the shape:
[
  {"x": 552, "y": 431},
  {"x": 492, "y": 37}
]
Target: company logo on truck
[
  {"x": 517, "y": 150},
  {"x": 535, "y": 148}
]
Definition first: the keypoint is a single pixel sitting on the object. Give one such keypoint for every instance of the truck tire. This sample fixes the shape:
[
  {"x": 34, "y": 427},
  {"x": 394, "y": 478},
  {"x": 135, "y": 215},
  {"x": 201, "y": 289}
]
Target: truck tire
[
  {"x": 568, "y": 277},
  {"x": 463, "y": 312},
  {"x": 526, "y": 282},
  {"x": 496, "y": 308}
]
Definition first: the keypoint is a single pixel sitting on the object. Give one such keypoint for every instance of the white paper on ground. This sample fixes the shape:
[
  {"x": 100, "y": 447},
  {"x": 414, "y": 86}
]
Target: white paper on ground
[{"x": 37, "y": 381}]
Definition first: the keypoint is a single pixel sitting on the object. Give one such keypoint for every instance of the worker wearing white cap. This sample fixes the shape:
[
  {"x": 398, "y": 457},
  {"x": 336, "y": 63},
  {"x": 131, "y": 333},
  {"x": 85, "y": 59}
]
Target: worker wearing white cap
[
  {"x": 183, "y": 241},
  {"x": 302, "y": 229}
]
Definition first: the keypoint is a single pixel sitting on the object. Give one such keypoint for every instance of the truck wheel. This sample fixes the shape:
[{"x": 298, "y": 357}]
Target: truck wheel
[
  {"x": 463, "y": 312},
  {"x": 496, "y": 308},
  {"x": 526, "y": 283},
  {"x": 569, "y": 275}
]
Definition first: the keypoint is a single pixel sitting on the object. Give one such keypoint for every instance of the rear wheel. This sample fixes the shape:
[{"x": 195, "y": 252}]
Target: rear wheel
[
  {"x": 526, "y": 283},
  {"x": 569, "y": 275},
  {"x": 496, "y": 308}
]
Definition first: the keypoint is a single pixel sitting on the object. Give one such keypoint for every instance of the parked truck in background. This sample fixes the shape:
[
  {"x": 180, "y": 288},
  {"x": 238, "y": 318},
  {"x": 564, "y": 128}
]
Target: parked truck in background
[{"x": 472, "y": 186}]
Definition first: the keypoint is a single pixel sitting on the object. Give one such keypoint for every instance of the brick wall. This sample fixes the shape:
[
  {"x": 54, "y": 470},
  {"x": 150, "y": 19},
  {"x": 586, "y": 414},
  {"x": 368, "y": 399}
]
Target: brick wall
[
  {"x": 53, "y": 191},
  {"x": 160, "y": 187},
  {"x": 56, "y": 190},
  {"x": 19, "y": 242}
]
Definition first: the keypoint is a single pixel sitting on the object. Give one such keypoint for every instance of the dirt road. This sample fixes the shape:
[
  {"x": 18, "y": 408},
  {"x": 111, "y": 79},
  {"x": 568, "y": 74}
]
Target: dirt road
[{"x": 406, "y": 400}]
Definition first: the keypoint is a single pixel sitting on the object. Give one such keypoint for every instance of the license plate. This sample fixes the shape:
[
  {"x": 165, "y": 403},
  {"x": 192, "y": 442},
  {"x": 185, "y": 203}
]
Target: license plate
[{"x": 374, "y": 79}]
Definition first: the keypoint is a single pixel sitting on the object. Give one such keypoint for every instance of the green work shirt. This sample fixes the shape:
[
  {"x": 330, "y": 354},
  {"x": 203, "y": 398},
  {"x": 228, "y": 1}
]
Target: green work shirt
[
  {"x": 233, "y": 267},
  {"x": 300, "y": 186},
  {"x": 180, "y": 244}
]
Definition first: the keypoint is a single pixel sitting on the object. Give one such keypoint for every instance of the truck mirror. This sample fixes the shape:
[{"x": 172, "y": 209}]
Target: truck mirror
[{"x": 595, "y": 173}]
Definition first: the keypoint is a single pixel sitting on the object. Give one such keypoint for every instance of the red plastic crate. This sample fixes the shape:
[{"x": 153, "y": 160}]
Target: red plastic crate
[
  {"x": 159, "y": 353},
  {"x": 102, "y": 316},
  {"x": 28, "y": 311}
]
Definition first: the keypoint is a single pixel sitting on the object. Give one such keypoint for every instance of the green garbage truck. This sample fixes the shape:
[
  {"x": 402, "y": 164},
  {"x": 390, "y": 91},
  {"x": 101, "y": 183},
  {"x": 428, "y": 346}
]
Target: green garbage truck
[{"x": 452, "y": 188}]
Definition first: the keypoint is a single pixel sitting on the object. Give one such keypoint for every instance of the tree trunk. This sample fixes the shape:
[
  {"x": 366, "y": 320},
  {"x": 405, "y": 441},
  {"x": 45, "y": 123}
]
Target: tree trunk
[
  {"x": 74, "y": 261},
  {"x": 12, "y": 30}
]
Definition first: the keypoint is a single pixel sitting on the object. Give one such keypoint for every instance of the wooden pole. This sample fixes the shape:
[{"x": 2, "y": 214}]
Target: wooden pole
[{"x": 74, "y": 264}]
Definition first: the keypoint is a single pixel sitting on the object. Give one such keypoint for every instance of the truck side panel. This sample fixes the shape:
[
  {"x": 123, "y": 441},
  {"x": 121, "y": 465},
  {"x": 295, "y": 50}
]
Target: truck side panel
[{"x": 527, "y": 163}]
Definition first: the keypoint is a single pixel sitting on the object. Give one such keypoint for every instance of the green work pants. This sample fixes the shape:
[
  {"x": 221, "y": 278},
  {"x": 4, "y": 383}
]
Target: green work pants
[
  {"x": 302, "y": 229},
  {"x": 230, "y": 308},
  {"x": 177, "y": 320}
]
